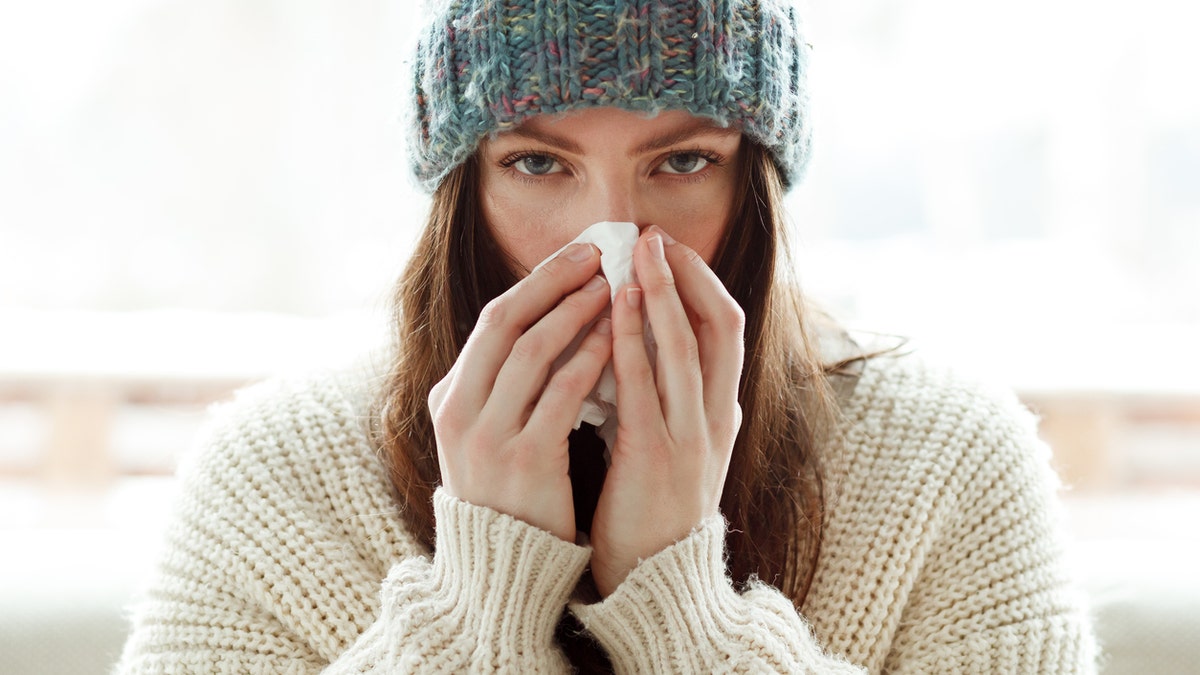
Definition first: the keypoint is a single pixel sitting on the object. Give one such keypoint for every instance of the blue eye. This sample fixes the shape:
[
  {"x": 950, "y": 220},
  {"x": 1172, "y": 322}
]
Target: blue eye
[
  {"x": 535, "y": 165},
  {"x": 684, "y": 163}
]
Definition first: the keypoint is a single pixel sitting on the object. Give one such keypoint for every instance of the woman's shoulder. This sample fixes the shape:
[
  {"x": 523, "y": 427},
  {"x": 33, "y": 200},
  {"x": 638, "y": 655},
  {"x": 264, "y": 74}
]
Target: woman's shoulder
[
  {"x": 297, "y": 419},
  {"x": 916, "y": 410},
  {"x": 912, "y": 386},
  {"x": 297, "y": 443}
]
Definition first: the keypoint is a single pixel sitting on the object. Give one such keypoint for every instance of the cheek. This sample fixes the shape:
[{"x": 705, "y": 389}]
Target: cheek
[
  {"x": 526, "y": 229},
  {"x": 698, "y": 222}
]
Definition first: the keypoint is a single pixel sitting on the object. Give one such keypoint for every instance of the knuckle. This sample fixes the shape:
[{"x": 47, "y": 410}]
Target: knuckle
[
  {"x": 662, "y": 284},
  {"x": 573, "y": 304},
  {"x": 521, "y": 456},
  {"x": 586, "y": 299},
  {"x": 475, "y": 449},
  {"x": 726, "y": 427},
  {"x": 685, "y": 344},
  {"x": 494, "y": 313},
  {"x": 436, "y": 394},
  {"x": 565, "y": 383},
  {"x": 631, "y": 371},
  {"x": 445, "y": 418},
  {"x": 692, "y": 257},
  {"x": 556, "y": 268},
  {"x": 559, "y": 270},
  {"x": 528, "y": 347},
  {"x": 657, "y": 451},
  {"x": 733, "y": 317},
  {"x": 484, "y": 441},
  {"x": 596, "y": 346}
]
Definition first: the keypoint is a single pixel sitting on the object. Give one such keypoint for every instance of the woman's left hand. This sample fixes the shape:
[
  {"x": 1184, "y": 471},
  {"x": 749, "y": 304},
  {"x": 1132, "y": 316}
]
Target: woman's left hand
[{"x": 676, "y": 423}]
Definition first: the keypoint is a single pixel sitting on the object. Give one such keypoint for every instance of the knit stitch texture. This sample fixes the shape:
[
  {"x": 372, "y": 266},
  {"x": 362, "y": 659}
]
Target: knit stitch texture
[
  {"x": 289, "y": 554},
  {"x": 483, "y": 66}
]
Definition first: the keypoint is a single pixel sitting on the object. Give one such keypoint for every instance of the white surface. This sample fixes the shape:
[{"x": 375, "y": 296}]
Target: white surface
[
  {"x": 64, "y": 590},
  {"x": 1097, "y": 360},
  {"x": 161, "y": 345}
]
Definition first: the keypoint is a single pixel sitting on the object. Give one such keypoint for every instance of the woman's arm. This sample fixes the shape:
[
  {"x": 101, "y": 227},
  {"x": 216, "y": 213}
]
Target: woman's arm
[
  {"x": 286, "y": 554},
  {"x": 960, "y": 531},
  {"x": 487, "y": 602},
  {"x": 677, "y": 612},
  {"x": 669, "y": 606}
]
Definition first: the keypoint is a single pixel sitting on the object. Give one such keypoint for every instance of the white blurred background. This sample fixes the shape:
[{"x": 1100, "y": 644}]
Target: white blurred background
[{"x": 197, "y": 195}]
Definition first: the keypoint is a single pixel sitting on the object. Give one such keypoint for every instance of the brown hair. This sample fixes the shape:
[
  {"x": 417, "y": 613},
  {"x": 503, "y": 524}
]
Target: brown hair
[{"x": 774, "y": 494}]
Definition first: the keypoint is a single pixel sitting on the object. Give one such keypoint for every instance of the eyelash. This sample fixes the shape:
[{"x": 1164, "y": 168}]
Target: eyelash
[
  {"x": 713, "y": 159},
  {"x": 509, "y": 160}
]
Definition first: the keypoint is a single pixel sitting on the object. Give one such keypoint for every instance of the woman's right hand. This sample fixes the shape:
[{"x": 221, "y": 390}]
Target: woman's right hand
[{"x": 501, "y": 425}]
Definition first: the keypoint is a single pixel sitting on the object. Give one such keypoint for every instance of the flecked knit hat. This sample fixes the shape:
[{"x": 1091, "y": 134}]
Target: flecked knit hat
[{"x": 483, "y": 66}]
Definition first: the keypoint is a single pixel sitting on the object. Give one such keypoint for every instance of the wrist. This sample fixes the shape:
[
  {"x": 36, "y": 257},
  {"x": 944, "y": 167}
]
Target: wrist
[
  {"x": 493, "y": 565},
  {"x": 550, "y": 510},
  {"x": 674, "y": 587}
]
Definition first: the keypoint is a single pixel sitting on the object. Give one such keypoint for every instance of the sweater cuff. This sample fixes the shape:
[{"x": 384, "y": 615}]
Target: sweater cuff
[
  {"x": 672, "y": 609},
  {"x": 511, "y": 579}
]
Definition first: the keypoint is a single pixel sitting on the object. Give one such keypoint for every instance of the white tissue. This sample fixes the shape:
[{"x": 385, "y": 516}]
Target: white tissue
[{"x": 615, "y": 241}]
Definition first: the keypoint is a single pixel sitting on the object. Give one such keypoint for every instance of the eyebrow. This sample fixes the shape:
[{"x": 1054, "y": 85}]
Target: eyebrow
[
  {"x": 548, "y": 138},
  {"x": 688, "y": 132},
  {"x": 663, "y": 140}
]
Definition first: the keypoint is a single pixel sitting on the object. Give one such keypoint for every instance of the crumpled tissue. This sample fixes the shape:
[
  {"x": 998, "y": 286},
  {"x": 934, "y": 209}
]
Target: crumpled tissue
[{"x": 616, "y": 242}]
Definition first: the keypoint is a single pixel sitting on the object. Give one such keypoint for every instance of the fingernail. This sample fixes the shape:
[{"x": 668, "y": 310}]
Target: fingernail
[
  {"x": 662, "y": 233},
  {"x": 579, "y": 252},
  {"x": 633, "y": 296},
  {"x": 604, "y": 326},
  {"x": 656, "y": 246},
  {"x": 594, "y": 284}
]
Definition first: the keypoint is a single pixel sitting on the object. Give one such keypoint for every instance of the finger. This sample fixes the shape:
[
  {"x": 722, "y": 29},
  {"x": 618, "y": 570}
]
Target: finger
[
  {"x": 523, "y": 375},
  {"x": 558, "y": 408},
  {"x": 508, "y": 316},
  {"x": 718, "y": 323},
  {"x": 678, "y": 363},
  {"x": 638, "y": 405}
]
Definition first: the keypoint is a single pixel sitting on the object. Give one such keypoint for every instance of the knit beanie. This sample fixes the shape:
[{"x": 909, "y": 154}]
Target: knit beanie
[{"x": 484, "y": 66}]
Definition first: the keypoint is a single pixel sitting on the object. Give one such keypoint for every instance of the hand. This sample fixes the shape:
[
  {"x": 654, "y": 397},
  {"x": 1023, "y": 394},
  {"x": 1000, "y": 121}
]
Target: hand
[
  {"x": 501, "y": 426},
  {"x": 676, "y": 424}
]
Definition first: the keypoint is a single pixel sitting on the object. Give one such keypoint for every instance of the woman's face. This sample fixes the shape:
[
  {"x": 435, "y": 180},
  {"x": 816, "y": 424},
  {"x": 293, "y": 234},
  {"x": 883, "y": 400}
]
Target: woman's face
[{"x": 546, "y": 181}]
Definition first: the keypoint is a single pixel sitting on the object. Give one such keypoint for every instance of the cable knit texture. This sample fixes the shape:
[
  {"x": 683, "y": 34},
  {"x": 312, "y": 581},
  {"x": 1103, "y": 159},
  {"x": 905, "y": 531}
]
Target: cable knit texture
[
  {"x": 288, "y": 554},
  {"x": 483, "y": 66}
]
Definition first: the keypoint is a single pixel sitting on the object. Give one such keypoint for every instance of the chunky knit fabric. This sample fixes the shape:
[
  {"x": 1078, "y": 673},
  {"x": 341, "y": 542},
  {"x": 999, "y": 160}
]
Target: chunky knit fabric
[
  {"x": 485, "y": 65},
  {"x": 288, "y": 554}
]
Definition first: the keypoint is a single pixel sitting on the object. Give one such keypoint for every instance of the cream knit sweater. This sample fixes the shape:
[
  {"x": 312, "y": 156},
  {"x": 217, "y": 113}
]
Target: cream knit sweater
[{"x": 287, "y": 554}]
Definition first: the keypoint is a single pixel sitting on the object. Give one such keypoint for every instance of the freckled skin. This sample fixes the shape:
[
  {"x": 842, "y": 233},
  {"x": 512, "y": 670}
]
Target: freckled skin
[{"x": 603, "y": 178}]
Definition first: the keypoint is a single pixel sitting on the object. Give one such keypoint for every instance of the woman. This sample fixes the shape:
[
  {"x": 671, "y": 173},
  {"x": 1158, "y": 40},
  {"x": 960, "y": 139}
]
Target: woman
[{"x": 773, "y": 501}]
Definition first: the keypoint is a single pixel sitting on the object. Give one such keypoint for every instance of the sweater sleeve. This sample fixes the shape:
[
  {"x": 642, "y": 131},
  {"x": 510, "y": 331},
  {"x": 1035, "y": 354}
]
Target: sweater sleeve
[
  {"x": 287, "y": 554},
  {"x": 487, "y": 602},
  {"x": 677, "y": 612}
]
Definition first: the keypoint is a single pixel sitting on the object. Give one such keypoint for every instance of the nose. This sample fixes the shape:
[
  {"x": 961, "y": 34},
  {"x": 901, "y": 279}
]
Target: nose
[{"x": 614, "y": 198}]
